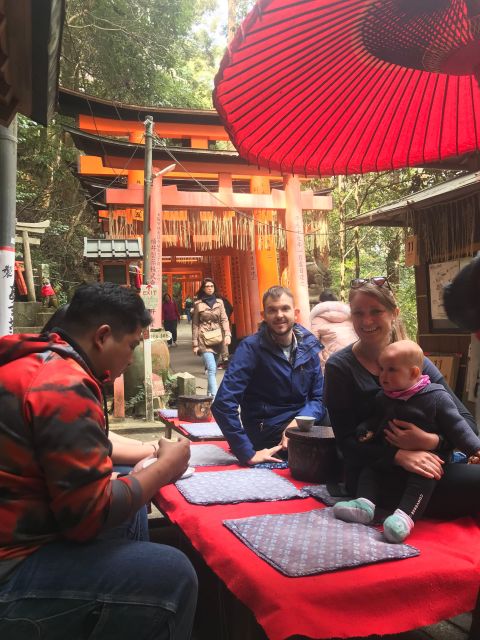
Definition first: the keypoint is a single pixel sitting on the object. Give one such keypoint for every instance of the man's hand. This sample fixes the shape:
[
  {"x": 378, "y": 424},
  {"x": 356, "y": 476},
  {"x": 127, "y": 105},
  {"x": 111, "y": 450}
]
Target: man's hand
[
  {"x": 227, "y": 340},
  {"x": 423, "y": 463},
  {"x": 265, "y": 455},
  {"x": 195, "y": 350},
  {"x": 174, "y": 455},
  {"x": 405, "y": 435},
  {"x": 284, "y": 440}
]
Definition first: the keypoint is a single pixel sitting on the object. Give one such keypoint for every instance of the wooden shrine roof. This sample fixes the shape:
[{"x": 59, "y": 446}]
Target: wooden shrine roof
[
  {"x": 132, "y": 155},
  {"x": 30, "y": 42},
  {"x": 72, "y": 103}
]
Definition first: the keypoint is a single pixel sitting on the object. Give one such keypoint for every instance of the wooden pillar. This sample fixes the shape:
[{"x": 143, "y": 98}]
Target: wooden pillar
[
  {"x": 135, "y": 177},
  {"x": 297, "y": 265},
  {"x": 199, "y": 143},
  {"x": 170, "y": 285},
  {"x": 227, "y": 276},
  {"x": 237, "y": 298},
  {"x": 27, "y": 259},
  {"x": 247, "y": 318},
  {"x": 156, "y": 274},
  {"x": 265, "y": 250},
  {"x": 253, "y": 292}
]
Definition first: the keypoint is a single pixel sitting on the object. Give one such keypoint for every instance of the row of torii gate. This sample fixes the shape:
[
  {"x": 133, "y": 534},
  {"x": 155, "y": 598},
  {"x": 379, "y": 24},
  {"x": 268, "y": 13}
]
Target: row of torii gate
[{"x": 213, "y": 215}]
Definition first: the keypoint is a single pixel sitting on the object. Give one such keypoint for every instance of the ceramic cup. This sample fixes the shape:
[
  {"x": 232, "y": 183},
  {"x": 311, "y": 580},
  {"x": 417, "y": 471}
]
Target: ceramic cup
[{"x": 305, "y": 423}]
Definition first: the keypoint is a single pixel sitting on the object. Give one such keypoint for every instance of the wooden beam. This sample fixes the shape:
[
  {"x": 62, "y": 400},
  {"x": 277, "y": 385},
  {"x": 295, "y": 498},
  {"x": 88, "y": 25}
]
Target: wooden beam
[
  {"x": 93, "y": 166},
  {"x": 193, "y": 166},
  {"x": 172, "y": 197},
  {"x": 178, "y": 130}
]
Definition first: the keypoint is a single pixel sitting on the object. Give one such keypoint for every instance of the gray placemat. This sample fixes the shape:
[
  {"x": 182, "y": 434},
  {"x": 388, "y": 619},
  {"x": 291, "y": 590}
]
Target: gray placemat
[
  {"x": 320, "y": 492},
  {"x": 202, "y": 429},
  {"x": 302, "y": 544},
  {"x": 239, "y": 485},
  {"x": 203, "y": 455}
]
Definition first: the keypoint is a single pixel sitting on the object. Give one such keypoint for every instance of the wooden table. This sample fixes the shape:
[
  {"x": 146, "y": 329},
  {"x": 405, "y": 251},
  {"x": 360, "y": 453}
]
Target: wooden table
[{"x": 384, "y": 598}]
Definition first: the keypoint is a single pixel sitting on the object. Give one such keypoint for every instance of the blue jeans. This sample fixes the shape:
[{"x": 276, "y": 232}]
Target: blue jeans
[
  {"x": 210, "y": 362},
  {"x": 107, "y": 589}
]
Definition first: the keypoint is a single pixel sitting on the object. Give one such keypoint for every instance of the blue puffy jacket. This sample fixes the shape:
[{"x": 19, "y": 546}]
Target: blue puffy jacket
[{"x": 269, "y": 389}]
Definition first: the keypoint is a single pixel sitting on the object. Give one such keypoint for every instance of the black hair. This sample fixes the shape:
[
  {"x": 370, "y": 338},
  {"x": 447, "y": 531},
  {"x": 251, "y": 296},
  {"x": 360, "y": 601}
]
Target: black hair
[
  {"x": 200, "y": 293},
  {"x": 461, "y": 298},
  {"x": 57, "y": 320},
  {"x": 165, "y": 296},
  {"x": 327, "y": 295},
  {"x": 106, "y": 303},
  {"x": 275, "y": 293}
]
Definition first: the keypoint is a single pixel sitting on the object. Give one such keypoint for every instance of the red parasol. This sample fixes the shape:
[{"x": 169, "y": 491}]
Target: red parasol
[{"x": 350, "y": 86}]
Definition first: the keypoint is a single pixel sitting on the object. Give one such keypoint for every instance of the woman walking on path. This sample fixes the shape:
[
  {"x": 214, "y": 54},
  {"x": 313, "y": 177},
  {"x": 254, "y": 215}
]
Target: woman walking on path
[
  {"x": 170, "y": 317},
  {"x": 351, "y": 385},
  {"x": 210, "y": 330}
]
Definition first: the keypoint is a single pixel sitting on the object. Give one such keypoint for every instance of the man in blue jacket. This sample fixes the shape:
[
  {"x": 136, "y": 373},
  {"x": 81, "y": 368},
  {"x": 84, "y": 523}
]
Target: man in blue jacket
[{"x": 274, "y": 376}]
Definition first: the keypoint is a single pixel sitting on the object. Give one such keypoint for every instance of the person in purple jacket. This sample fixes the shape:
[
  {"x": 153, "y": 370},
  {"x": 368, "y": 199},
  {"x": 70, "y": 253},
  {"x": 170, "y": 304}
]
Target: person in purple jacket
[
  {"x": 407, "y": 394},
  {"x": 171, "y": 318}
]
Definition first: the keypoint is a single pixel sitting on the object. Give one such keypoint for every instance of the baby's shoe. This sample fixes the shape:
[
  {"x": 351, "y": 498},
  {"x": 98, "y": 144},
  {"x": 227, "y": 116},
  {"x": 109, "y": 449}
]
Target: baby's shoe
[
  {"x": 359, "y": 510},
  {"x": 398, "y": 526}
]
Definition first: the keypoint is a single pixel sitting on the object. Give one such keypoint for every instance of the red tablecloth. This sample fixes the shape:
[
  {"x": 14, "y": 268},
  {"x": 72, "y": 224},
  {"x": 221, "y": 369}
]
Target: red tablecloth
[{"x": 384, "y": 598}]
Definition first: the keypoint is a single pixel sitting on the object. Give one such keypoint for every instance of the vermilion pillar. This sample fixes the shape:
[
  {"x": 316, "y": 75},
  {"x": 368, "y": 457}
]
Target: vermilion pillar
[
  {"x": 253, "y": 291},
  {"x": 237, "y": 297},
  {"x": 227, "y": 276},
  {"x": 265, "y": 250},
  {"x": 297, "y": 265},
  {"x": 156, "y": 246},
  {"x": 247, "y": 318}
]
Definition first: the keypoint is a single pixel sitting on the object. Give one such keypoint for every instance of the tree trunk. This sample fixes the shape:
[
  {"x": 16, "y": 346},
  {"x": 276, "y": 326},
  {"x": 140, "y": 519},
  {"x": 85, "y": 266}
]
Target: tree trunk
[{"x": 231, "y": 19}]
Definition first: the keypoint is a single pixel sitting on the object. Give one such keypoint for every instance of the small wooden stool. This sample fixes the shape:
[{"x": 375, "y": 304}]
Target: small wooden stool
[{"x": 312, "y": 455}]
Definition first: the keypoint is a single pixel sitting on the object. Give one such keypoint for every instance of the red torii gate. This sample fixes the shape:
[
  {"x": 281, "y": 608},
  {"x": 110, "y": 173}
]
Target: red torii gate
[{"x": 250, "y": 240}]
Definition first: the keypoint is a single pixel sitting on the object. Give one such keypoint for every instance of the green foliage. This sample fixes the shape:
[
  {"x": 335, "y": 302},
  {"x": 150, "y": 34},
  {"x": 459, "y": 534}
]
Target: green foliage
[
  {"x": 170, "y": 385},
  {"x": 369, "y": 251},
  {"x": 131, "y": 403},
  {"x": 147, "y": 52}
]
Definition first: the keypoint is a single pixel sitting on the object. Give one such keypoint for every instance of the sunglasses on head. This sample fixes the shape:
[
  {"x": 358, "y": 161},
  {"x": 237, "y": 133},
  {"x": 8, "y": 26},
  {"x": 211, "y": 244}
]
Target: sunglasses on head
[{"x": 379, "y": 281}]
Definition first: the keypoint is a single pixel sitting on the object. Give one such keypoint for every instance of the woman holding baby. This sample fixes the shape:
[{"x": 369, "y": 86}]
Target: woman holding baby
[{"x": 352, "y": 383}]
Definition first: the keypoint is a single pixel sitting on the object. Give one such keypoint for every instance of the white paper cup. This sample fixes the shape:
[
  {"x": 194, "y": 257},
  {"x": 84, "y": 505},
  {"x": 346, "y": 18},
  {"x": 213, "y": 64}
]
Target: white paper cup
[{"x": 305, "y": 423}]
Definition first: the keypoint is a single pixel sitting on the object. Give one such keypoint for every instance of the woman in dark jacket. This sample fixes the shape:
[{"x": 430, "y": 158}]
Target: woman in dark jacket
[
  {"x": 170, "y": 318},
  {"x": 351, "y": 384},
  {"x": 210, "y": 330}
]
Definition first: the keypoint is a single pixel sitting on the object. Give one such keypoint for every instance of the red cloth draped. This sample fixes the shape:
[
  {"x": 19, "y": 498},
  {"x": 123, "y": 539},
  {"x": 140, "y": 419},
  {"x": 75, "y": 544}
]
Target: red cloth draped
[{"x": 383, "y": 598}]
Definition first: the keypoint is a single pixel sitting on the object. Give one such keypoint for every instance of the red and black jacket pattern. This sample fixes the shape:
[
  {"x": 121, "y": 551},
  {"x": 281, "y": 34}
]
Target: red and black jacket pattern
[{"x": 55, "y": 463}]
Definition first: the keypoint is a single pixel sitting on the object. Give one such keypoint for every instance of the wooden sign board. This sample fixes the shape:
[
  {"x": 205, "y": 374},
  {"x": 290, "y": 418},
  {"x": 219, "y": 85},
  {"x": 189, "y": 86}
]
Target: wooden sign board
[
  {"x": 161, "y": 334},
  {"x": 448, "y": 364}
]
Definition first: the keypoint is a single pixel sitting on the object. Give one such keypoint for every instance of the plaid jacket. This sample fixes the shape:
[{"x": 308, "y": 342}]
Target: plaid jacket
[{"x": 55, "y": 461}]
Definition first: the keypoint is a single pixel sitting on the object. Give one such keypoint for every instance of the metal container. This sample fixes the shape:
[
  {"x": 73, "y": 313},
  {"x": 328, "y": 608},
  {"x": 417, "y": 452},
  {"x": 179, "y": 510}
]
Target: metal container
[
  {"x": 194, "y": 408},
  {"x": 312, "y": 455}
]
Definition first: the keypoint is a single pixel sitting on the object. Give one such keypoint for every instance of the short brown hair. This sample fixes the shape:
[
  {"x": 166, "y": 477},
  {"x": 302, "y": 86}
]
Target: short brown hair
[{"x": 275, "y": 293}]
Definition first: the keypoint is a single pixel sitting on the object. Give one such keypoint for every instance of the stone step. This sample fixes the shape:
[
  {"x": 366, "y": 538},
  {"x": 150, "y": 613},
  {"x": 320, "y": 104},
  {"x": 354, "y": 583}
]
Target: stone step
[{"x": 27, "y": 329}]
